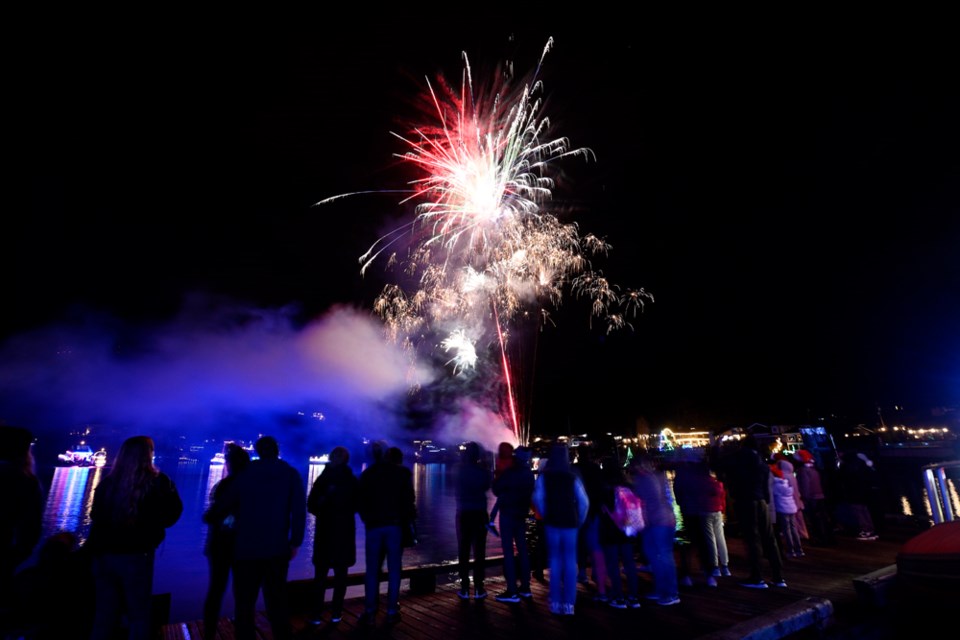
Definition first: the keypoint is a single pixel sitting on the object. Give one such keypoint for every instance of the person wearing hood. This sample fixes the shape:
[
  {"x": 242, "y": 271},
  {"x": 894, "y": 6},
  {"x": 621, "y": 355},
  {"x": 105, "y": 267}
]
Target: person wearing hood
[
  {"x": 473, "y": 483},
  {"x": 785, "y": 503},
  {"x": 856, "y": 482},
  {"x": 560, "y": 497},
  {"x": 815, "y": 511}
]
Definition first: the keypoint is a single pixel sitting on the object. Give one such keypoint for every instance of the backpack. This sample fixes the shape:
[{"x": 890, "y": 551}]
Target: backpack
[{"x": 627, "y": 511}]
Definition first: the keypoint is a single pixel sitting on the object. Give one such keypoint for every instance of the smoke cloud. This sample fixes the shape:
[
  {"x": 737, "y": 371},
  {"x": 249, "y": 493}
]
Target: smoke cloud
[{"x": 219, "y": 368}]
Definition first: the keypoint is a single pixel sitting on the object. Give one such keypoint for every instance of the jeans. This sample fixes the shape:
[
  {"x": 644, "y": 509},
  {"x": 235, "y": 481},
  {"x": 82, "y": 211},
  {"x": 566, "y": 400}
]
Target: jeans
[
  {"x": 754, "y": 519},
  {"x": 472, "y": 535},
  {"x": 220, "y": 562},
  {"x": 513, "y": 533},
  {"x": 562, "y": 558},
  {"x": 382, "y": 541},
  {"x": 658, "y": 547},
  {"x": 787, "y": 523},
  {"x": 617, "y": 554},
  {"x": 123, "y": 579},
  {"x": 340, "y": 573},
  {"x": 270, "y": 574}
]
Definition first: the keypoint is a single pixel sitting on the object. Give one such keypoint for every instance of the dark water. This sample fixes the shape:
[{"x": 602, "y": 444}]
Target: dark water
[{"x": 181, "y": 567}]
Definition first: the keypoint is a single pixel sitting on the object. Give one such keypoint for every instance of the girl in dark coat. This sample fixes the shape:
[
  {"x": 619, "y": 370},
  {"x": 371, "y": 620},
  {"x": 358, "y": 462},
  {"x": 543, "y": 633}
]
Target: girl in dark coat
[
  {"x": 334, "y": 501},
  {"x": 133, "y": 506}
]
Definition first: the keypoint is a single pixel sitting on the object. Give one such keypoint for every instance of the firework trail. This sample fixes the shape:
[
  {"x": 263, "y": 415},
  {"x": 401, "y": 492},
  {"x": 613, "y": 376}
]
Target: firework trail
[{"x": 483, "y": 253}]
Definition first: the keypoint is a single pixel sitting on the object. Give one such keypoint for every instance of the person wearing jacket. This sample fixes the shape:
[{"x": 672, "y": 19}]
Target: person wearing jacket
[
  {"x": 269, "y": 505},
  {"x": 387, "y": 501},
  {"x": 473, "y": 481},
  {"x": 220, "y": 538},
  {"x": 785, "y": 505},
  {"x": 133, "y": 506},
  {"x": 334, "y": 499},
  {"x": 514, "y": 491},
  {"x": 560, "y": 497}
]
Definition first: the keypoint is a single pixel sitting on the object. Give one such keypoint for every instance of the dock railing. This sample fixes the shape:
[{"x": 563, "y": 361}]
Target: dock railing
[{"x": 938, "y": 491}]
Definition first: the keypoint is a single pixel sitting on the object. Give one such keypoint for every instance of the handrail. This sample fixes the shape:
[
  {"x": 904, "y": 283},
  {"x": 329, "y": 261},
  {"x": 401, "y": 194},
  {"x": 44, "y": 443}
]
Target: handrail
[{"x": 938, "y": 495}]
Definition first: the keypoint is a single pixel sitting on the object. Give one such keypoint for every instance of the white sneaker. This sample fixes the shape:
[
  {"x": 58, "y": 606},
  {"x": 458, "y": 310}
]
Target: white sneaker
[
  {"x": 711, "y": 581},
  {"x": 686, "y": 582}
]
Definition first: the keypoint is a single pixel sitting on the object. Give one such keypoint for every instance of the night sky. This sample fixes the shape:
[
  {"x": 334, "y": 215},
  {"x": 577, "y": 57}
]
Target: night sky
[{"x": 789, "y": 195}]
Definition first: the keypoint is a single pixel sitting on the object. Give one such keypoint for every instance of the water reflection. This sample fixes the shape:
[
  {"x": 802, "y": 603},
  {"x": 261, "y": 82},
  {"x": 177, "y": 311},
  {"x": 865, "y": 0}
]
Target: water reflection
[{"x": 70, "y": 499}]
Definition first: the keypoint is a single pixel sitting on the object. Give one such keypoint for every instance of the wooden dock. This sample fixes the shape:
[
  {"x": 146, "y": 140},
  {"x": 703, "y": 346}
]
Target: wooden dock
[{"x": 825, "y": 599}]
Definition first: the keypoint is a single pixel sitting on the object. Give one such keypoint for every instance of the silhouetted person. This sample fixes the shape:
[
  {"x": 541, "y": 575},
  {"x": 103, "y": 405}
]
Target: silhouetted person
[
  {"x": 589, "y": 550},
  {"x": 334, "y": 500},
  {"x": 688, "y": 489},
  {"x": 747, "y": 478},
  {"x": 856, "y": 483},
  {"x": 269, "y": 505},
  {"x": 617, "y": 547},
  {"x": 650, "y": 484},
  {"x": 816, "y": 510},
  {"x": 473, "y": 481},
  {"x": 21, "y": 504},
  {"x": 503, "y": 461},
  {"x": 514, "y": 491},
  {"x": 408, "y": 527},
  {"x": 133, "y": 506},
  {"x": 387, "y": 500},
  {"x": 53, "y": 598},
  {"x": 220, "y": 538},
  {"x": 560, "y": 497}
]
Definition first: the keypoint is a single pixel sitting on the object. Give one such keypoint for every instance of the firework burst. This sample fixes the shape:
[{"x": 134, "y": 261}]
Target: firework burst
[{"x": 483, "y": 251}]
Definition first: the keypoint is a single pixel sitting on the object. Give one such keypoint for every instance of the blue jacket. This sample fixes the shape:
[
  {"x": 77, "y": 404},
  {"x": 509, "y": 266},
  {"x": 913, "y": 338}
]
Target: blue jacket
[{"x": 514, "y": 490}]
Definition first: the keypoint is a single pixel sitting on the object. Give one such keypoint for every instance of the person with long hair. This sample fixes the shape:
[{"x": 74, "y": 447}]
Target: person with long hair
[{"x": 133, "y": 506}]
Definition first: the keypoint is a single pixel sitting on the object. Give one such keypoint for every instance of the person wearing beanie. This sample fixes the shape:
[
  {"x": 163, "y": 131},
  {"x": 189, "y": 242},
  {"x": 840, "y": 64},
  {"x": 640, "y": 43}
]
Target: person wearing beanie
[{"x": 815, "y": 510}]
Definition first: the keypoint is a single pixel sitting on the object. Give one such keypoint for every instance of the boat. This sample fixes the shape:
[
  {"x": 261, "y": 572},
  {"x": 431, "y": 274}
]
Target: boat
[
  {"x": 220, "y": 457},
  {"x": 429, "y": 452},
  {"x": 83, "y": 456},
  {"x": 100, "y": 458}
]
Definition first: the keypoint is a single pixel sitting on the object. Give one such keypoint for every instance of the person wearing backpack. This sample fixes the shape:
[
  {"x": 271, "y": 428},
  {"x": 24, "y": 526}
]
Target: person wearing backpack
[
  {"x": 560, "y": 497},
  {"x": 618, "y": 547}
]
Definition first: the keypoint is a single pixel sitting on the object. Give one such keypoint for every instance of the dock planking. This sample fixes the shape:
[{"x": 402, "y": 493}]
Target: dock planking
[{"x": 824, "y": 574}]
